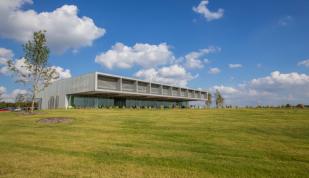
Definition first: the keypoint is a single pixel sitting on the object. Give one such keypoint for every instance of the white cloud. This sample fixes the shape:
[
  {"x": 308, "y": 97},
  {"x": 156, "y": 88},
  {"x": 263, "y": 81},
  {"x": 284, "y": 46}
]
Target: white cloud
[
  {"x": 142, "y": 54},
  {"x": 193, "y": 59},
  {"x": 15, "y": 92},
  {"x": 275, "y": 89},
  {"x": 19, "y": 64},
  {"x": 65, "y": 29},
  {"x": 304, "y": 63},
  {"x": 203, "y": 10},
  {"x": 214, "y": 70},
  {"x": 2, "y": 91},
  {"x": 278, "y": 79},
  {"x": 225, "y": 89},
  {"x": 174, "y": 75},
  {"x": 156, "y": 62},
  {"x": 5, "y": 54},
  {"x": 233, "y": 66},
  {"x": 63, "y": 73},
  {"x": 10, "y": 97}
]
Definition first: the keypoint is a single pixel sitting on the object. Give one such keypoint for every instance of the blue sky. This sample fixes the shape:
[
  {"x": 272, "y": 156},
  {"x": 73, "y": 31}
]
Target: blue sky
[{"x": 268, "y": 40}]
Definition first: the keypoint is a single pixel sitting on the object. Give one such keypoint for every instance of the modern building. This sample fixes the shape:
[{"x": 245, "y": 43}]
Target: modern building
[{"x": 96, "y": 90}]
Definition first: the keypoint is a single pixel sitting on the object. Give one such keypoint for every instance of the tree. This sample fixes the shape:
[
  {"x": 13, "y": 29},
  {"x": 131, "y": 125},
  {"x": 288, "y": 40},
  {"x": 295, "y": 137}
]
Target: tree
[
  {"x": 209, "y": 100},
  {"x": 37, "y": 73},
  {"x": 302, "y": 106},
  {"x": 21, "y": 98},
  {"x": 219, "y": 99},
  {"x": 287, "y": 105}
]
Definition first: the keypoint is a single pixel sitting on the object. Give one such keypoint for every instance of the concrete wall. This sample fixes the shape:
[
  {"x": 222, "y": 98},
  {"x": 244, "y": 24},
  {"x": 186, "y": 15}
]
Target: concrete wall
[
  {"x": 56, "y": 95},
  {"x": 126, "y": 85},
  {"x": 62, "y": 88}
]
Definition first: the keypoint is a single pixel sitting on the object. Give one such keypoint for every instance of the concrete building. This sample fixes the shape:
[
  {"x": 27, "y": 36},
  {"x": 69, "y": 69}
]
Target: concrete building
[{"x": 104, "y": 90}]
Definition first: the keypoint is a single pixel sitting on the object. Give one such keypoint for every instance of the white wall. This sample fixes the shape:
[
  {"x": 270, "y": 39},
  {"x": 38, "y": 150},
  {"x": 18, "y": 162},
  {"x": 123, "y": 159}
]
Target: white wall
[{"x": 61, "y": 88}]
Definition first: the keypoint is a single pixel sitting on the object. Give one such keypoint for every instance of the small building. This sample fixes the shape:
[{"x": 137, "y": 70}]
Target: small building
[{"x": 96, "y": 90}]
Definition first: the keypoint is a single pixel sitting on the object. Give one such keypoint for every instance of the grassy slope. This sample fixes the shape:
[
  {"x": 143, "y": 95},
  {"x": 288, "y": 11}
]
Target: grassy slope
[{"x": 157, "y": 143}]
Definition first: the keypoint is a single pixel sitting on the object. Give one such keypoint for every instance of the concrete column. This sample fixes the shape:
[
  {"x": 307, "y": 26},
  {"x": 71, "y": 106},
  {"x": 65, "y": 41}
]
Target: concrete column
[
  {"x": 136, "y": 86},
  {"x": 170, "y": 91},
  {"x": 120, "y": 84},
  {"x": 96, "y": 81},
  {"x": 199, "y": 94},
  {"x": 96, "y": 102},
  {"x": 193, "y": 93},
  {"x": 149, "y": 88},
  {"x": 67, "y": 101}
]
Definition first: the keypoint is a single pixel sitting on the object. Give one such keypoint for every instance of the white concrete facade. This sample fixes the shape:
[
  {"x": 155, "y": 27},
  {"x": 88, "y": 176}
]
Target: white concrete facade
[{"x": 57, "y": 94}]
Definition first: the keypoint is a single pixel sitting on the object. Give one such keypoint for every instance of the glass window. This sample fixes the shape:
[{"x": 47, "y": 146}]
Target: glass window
[{"x": 99, "y": 102}]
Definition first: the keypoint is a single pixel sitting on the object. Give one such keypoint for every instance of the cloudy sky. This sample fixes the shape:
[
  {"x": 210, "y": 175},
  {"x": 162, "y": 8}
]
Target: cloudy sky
[{"x": 254, "y": 52}]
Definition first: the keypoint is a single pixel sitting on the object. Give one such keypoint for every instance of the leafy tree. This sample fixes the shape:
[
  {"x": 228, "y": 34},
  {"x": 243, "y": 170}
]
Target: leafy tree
[
  {"x": 300, "y": 106},
  {"x": 219, "y": 99},
  {"x": 209, "y": 100},
  {"x": 37, "y": 73}
]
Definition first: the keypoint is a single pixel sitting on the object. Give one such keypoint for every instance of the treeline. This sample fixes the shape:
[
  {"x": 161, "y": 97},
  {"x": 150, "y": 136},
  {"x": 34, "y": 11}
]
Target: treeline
[
  {"x": 301, "y": 106},
  {"x": 16, "y": 104},
  {"x": 219, "y": 101}
]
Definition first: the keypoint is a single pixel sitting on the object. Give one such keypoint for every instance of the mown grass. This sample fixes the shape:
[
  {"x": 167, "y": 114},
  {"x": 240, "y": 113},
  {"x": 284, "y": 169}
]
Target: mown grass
[{"x": 156, "y": 143}]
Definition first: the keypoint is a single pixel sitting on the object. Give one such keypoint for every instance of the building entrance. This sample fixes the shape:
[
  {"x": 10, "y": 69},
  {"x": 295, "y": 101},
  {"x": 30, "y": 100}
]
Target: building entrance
[{"x": 120, "y": 102}]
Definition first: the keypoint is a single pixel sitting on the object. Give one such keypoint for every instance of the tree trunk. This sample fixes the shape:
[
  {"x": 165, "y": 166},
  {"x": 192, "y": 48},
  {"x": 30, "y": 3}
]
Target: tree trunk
[
  {"x": 32, "y": 104},
  {"x": 33, "y": 98}
]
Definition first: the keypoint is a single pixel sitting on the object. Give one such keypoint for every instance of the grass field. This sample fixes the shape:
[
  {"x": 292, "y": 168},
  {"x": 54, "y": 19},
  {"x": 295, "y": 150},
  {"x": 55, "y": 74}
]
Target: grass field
[{"x": 156, "y": 143}]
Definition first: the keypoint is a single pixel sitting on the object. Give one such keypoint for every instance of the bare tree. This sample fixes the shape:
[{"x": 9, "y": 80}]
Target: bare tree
[
  {"x": 209, "y": 100},
  {"x": 38, "y": 75},
  {"x": 219, "y": 99},
  {"x": 22, "y": 98}
]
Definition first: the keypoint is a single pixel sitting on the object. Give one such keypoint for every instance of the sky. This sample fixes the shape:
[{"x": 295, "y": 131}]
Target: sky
[{"x": 253, "y": 52}]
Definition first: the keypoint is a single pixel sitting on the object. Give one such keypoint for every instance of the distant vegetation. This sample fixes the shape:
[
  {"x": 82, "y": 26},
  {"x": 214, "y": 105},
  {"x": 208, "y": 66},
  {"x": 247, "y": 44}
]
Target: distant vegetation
[
  {"x": 219, "y": 99},
  {"x": 28, "y": 104},
  {"x": 16, "y": 104}
]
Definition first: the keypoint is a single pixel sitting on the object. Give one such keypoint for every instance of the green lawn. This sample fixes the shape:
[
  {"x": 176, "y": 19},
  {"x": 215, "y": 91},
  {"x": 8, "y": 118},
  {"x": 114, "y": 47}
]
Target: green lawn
[{"x": 156, "y": 143}]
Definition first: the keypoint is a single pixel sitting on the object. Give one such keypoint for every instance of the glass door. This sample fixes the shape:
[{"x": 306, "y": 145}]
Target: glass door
[{"x": 120, "y": 102}]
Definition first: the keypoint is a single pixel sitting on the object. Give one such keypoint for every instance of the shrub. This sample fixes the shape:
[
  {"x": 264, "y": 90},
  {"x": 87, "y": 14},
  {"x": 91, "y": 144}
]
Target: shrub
[{"x": 301, "y": 106}]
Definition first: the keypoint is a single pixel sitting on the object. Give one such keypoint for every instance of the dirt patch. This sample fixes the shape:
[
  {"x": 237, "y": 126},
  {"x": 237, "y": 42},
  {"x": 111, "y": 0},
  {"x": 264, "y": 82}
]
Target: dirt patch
[{"x": 54, "y": 120}]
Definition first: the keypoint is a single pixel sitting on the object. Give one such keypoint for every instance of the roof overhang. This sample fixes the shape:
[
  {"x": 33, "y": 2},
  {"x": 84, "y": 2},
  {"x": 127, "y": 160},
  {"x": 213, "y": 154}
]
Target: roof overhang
[{"x": 124, "y": 94}]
